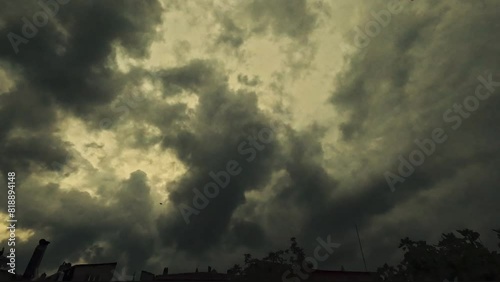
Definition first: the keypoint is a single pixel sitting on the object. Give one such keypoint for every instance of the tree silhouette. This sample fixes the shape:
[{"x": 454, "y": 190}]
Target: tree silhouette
[
  {"x": 498, "y": 235},
  {"x": 293, "y": 256},
  {"x": 463, "y": 258}
]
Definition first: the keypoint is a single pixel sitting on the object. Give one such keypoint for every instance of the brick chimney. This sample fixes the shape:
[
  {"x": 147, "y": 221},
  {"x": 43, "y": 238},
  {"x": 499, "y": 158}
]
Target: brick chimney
[{"x": 36, "y": 259}]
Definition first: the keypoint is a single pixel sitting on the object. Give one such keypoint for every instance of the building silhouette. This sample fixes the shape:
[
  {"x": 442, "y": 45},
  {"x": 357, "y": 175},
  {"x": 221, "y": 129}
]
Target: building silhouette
[
  {"x": 261, "y": 271},
  {"x": 84, "y": 272}
]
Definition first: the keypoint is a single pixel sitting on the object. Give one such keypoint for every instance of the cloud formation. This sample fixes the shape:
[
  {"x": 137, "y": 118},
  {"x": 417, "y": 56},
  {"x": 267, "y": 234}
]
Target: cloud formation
[{"x": 110, "y": 110}]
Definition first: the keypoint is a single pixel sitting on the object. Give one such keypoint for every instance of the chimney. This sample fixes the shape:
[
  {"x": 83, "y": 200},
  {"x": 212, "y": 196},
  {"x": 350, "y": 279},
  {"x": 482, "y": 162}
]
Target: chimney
[
  {"x": 35, "y": 260},
  {"x": 165, "y": 271},
  {"x": 64, "y": 266}
]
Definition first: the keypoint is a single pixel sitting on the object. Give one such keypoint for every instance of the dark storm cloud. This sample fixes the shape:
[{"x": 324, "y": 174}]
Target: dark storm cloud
[
  {"x": 248, "y": 233},
  {"x": 223, "y": 119},
  {"x": 68, "y": 59},
  {"x": 310, "y": 190},
  {"x": 166, "y": 117},
  {"x": 68, "y": 68},
  {"x": 307, "y": 187},
  {"x": 134, "y": 241},
  {"x": 32, "y": 119},
  {"x": 416, "y": 69},
  {"x": 76, "y": 223},
  {"x": 68, "y": 62},
  {"x": 20, "y": 153}
]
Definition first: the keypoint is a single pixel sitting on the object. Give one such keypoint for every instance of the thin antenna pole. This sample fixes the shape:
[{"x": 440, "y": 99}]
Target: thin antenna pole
[{"x": 361, "y": 248}]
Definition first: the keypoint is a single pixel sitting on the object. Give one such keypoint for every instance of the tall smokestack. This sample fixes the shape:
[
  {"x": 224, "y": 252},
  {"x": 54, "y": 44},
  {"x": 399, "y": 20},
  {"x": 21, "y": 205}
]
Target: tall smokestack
[{"x": 36, "y": 259}]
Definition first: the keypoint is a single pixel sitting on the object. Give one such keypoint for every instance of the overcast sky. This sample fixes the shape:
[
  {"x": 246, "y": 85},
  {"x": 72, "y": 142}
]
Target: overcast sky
[{"x": 111, "y": 108}]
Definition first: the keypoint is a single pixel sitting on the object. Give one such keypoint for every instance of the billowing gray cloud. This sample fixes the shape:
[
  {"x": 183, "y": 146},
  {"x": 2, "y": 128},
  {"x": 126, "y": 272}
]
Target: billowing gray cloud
[
  {"x": 223, "y": 120},
  {"x": 204, "y": 112},
  {"x": 61, "y": 68},
  {"x": 81, "y": 225},
  {"x": 65, "y": 63},
  {"x": 403, "y": 87}
]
